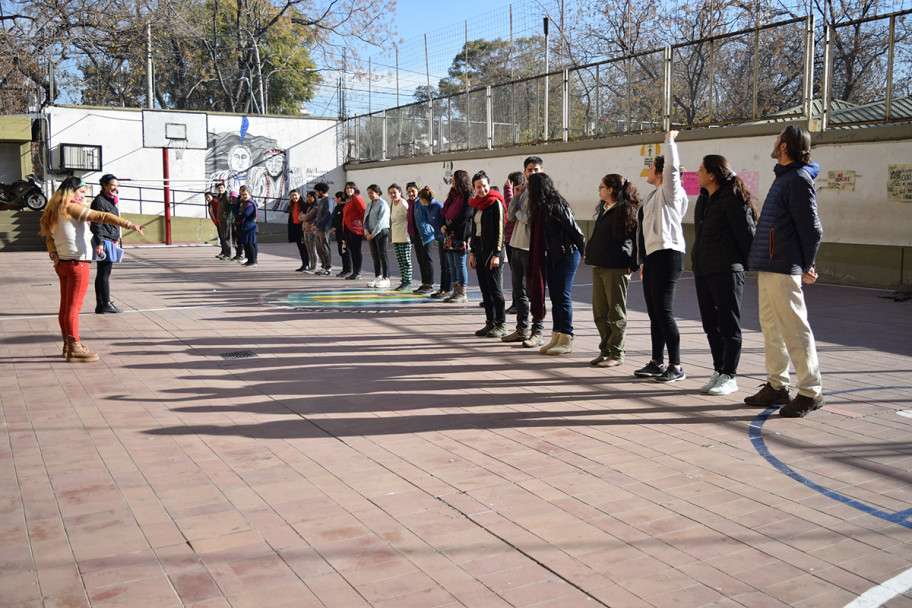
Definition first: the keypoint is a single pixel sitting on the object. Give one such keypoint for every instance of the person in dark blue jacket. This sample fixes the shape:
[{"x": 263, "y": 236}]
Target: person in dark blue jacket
[
  {"x": 247, "y": 226},
  {"x": 428, "y": 219},
  {"x": 783, "y": 254}
]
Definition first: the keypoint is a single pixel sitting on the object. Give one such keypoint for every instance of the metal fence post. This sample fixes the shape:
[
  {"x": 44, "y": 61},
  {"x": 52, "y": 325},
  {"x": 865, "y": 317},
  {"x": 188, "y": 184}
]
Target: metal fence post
[
  {"x": 826, "y": 89},
  {"x": 888, "y": 110},
  {"x": 754, "y": 105},
  {"x": 666, "y": 105},
  {"x": 809, "y": 69},
  {"x": 489, "y": 116},
  {"x": 383, "y": 145},
  {"x": 566, "y": 106}
]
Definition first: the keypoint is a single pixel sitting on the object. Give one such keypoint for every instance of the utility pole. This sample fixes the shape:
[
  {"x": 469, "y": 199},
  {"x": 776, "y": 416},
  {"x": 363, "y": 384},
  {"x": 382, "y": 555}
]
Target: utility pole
[
  {"x": 547, "y": 23},
  {"x": 150, "y": 100}
]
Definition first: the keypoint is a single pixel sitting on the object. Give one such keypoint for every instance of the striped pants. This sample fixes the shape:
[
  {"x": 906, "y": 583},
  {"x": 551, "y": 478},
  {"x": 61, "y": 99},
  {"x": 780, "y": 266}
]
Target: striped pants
[{"x": 404, "y": 257}]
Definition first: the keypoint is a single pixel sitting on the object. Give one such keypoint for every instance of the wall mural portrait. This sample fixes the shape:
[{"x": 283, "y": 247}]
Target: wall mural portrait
[{"x": 242, "y": 159}]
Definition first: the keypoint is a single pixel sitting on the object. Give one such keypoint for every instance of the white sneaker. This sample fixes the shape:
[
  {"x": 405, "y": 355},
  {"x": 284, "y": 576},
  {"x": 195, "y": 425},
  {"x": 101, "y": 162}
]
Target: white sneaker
[
  {"x": 373, "y": 283},
  {"x": 383, "y": 284},
  {"x": 726, "y": 386},
  {"x": 713, "y": 381}
]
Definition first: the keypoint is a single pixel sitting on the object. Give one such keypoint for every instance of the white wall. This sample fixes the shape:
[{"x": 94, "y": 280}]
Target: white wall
[
  {"x": 312, "y": 147},
  {"x": 861, "y": 216}
]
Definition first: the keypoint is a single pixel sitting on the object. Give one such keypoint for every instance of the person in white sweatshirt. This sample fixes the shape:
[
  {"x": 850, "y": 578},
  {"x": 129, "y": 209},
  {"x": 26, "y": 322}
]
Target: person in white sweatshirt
[{"x": 660, "y": 239}]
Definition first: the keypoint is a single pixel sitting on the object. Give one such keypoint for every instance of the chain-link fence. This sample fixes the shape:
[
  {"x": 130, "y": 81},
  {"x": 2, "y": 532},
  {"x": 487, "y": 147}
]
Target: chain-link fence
[{"x": 761, "y": 73}]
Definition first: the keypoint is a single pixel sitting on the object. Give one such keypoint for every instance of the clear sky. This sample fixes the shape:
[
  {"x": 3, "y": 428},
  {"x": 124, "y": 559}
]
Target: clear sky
[{"x": 423, "y": 16}]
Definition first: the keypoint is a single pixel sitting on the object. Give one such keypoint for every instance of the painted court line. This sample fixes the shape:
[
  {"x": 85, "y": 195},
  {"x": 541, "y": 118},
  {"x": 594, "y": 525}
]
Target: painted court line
[
  {"x": 884, "y": 592},
  {"x": 756, "y": 437}
]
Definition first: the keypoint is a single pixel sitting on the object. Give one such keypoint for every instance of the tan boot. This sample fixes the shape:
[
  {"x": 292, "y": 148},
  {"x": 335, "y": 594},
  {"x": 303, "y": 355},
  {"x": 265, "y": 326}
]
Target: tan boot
[
  {"x": 78, "y": 353},
  {"x": 554, "y": 338},
  {"x": 459, "y": 294},
  {"x": 564, "y": 345}
]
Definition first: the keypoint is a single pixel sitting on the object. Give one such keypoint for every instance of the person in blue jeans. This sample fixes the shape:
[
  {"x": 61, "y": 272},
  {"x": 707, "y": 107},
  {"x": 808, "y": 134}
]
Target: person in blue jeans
[{"x": 558, "y": 240}]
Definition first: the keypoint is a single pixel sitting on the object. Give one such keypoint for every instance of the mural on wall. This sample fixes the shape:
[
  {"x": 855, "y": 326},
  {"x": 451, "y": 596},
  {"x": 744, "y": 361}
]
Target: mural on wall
[{"x": 240, "y": 158}]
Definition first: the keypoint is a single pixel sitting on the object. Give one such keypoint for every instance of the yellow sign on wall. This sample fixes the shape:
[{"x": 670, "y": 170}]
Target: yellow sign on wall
[{"x": 649, "y": 152}]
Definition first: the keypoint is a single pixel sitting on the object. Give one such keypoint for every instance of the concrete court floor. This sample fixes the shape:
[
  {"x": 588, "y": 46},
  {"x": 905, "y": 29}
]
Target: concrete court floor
[{"x": 375, "y": 453}]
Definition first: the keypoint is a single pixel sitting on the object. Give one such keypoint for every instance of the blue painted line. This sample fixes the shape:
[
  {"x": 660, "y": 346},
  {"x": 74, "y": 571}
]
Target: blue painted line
[{"x": 756, "y": 436}]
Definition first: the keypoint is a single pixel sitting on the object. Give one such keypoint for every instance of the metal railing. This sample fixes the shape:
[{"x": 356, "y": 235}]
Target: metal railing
[{"x": 753, "y": 75}]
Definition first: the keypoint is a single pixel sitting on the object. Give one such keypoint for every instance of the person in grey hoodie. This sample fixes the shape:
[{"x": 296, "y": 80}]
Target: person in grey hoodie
[
  {"x": 323, "y": 224},
  {"x": 783, "y": 254},
  {"x": 377, "y": 233}
]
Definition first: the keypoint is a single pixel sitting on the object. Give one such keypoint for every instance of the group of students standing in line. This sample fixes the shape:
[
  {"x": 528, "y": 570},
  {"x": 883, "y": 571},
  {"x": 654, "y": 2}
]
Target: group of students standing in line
[
  {"x": 531, "y": 225},
  {"x": 235, "y": 218}
]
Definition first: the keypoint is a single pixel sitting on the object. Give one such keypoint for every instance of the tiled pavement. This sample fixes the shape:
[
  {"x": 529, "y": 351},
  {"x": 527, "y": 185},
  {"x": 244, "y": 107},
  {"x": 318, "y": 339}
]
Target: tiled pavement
[{"x": 387, "y": 457}]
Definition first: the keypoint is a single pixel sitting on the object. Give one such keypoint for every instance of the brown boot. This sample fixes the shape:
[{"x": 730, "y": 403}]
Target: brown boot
[
  {"x": 459, "y": 294},
  {"x": 77, "y": 352},
  {"x": 66, "y": 347}
]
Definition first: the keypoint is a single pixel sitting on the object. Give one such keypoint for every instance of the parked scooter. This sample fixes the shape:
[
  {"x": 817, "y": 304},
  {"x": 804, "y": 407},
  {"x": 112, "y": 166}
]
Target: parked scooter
[{"x": 23, "y": 193}]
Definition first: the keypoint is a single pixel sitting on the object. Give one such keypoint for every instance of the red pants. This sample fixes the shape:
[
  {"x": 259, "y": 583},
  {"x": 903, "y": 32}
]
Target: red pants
[{"x": 74, "y": 282}]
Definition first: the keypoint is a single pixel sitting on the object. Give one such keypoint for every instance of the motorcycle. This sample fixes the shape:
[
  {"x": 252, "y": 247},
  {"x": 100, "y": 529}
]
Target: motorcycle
[{"x": 23, "y": 193}]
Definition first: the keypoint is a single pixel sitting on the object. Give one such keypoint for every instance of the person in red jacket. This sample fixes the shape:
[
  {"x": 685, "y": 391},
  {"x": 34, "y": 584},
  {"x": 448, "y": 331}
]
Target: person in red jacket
[{"x": 353, "y": 227}]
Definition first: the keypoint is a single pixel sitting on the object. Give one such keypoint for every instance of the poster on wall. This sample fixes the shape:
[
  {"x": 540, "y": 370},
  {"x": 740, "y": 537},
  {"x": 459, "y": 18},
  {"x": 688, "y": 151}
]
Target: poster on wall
[{"x": 899, "y": 183}]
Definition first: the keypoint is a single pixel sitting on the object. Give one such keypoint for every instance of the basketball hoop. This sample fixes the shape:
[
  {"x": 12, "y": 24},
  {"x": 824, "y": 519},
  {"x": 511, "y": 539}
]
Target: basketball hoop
[{"x": 178, "y": 145}]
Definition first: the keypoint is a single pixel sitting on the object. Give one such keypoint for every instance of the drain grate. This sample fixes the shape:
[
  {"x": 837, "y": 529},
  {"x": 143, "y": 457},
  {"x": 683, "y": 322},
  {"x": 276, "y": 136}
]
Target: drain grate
[{"x": 238, "y": 354}]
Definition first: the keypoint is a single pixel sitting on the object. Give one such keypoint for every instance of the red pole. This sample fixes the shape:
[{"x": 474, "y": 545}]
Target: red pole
[{"x": 166, "y": 172}]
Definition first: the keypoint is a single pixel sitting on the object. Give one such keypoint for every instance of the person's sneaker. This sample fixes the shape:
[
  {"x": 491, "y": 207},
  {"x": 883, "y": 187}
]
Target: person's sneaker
[
  {"x": 597, "y": 360},
  {"x": 301, "y": 269},
  {"x": 242, "y": 260},
  {"x": 511, "y": 310},
  {"x": 498, "y": 331},
  {"x": 671, "y": 374},
  {"x": 342, "y": 274},
  {"x": 249, "y": 264},
  {"x": 713, "y": 380},
  {"x": 424, "y": 290},
  {"x": 484, "y": 330},
  {"x": 801, "y": 406},
  {"x": 353, "y": 277},
  {"x": 651, "y": 370},
  {"x": 609, "y": 363},
  {"x": 235, "y": 258},
  {"x": 516, "y": 336},
  {"x": 481, "y": 303},
  {"x": 323, "y": 273},
  {"x": 535, "y": 340},
  {"x": 383, "y": 284},
  {"x": 441, "y": 294},
  {"x": 373, "y": 283},
  {"x": 725, "y": 386},
  {"x": 403, "y": 286},
  {"x": 768, "y": 396}
]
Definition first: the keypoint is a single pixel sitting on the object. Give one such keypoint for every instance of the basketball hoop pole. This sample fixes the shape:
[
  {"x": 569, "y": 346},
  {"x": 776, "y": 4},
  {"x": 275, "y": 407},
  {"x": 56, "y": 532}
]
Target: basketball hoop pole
[{"x": 166, "y": 173}]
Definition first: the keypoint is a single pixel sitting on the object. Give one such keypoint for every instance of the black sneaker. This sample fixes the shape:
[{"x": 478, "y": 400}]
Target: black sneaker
[
  {"x": 353, "y": 277},
  {"x": 652, "y": 370},
  {"x": 343, "y": 273},
  {"x": 424, "y": 290},
  {"x": 671, "y": 374},
  {"x": 801, "y": 406},
  {"x": 484, "y": 330},
  {"x": 301, "y": 269},
  {"x": 511, "y": 310},
  {"x": 768, "y": 396}
]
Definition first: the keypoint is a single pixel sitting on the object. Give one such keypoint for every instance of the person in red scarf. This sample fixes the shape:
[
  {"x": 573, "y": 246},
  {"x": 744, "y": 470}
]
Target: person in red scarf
[
  {"x": 353, "y": 227},
  {"x": 487, "y": 255},
  {"x": 456, "y": 229}
]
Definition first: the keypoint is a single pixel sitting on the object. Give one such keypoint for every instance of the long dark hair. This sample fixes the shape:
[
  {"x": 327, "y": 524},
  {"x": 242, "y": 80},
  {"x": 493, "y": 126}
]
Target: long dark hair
[
  {"x": 628, "y": 202},
  {"x": 354, "y": 187},
  {"x": 544, "y": 199},
  {"x": 461, "y": 184},
  {"x": 718, "y": 166}
]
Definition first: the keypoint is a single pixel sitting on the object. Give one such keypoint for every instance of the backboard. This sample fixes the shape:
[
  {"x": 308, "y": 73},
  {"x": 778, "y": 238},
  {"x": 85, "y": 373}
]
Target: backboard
[{"x": 162, "y": 129}]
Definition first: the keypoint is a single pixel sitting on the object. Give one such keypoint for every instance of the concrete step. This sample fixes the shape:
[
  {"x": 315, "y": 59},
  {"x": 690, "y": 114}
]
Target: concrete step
[{"x": 19, "y": 231}]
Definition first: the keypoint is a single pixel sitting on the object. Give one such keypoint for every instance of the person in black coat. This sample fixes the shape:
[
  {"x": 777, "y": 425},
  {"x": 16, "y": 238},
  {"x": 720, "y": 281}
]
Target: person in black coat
[
  {"x": 106, "y": 201},
  {"x": 612, "y": 253},
  {"x": 724, "y": 222}
]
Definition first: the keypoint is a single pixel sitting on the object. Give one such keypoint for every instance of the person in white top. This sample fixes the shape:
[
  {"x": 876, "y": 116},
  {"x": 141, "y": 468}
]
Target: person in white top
[
  {"x": 399, "y": 210},
  {"x": 65, "y": 224},
  {"x": 660, "y": 238}
]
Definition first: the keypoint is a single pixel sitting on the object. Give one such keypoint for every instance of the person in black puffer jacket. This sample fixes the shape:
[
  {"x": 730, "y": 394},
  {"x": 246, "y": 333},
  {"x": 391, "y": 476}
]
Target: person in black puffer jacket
[
  {"x": 106, "y": 202},
  {"x": 612, "y": 253},
  {"x": 725, "y": 219}
]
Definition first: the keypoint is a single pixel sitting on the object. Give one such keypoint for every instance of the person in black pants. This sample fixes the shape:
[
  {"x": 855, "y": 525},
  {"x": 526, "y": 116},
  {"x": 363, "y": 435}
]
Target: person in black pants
[
  {"x": 295, "y": 232},
  {"x": 106, "y": 201},
  {"x": 724, "y": 221},
  {"x": 337, "y": 230},
  {"x": 487, "y": 253}
]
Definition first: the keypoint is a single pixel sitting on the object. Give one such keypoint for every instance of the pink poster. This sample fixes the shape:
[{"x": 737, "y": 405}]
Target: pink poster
[{"x": 692, "y": 186}]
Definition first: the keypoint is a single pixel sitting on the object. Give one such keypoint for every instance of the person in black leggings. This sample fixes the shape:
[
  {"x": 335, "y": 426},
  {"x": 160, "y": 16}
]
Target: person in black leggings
[{"x": 106, "y": 201}]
